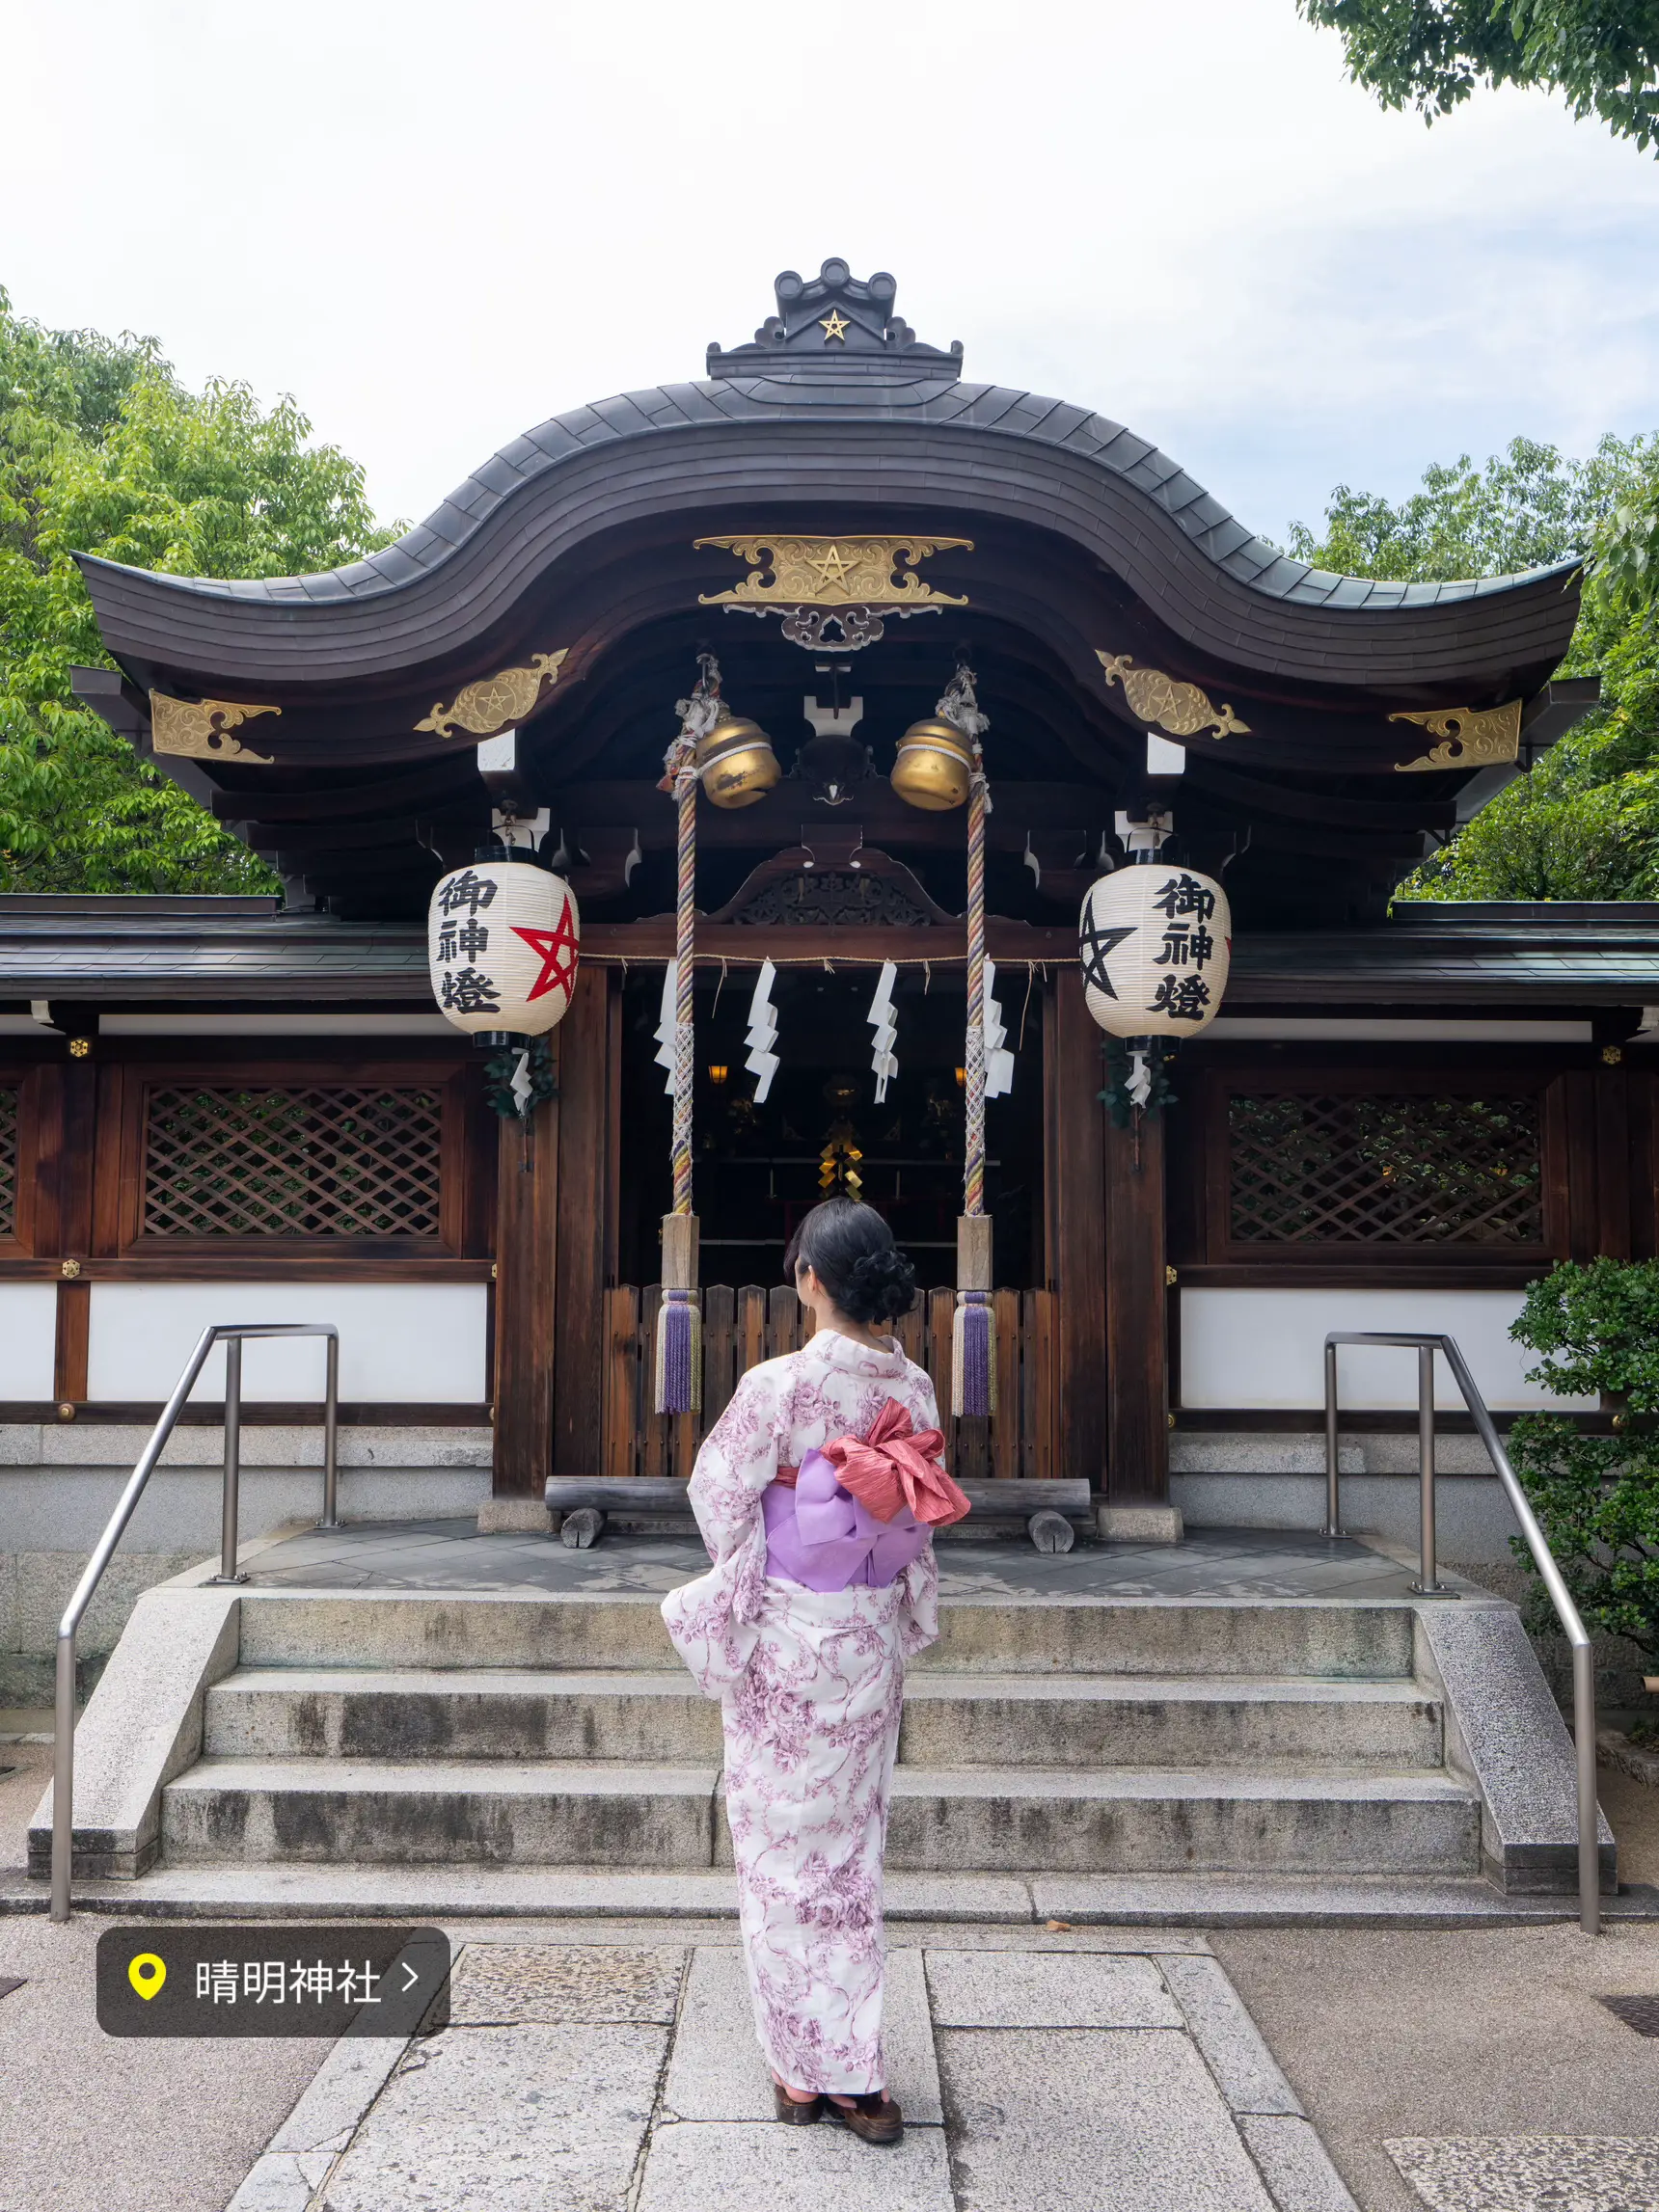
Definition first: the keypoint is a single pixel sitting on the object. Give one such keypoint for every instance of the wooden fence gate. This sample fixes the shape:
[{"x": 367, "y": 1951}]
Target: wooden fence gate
[{"x": 743, "y": 1326}]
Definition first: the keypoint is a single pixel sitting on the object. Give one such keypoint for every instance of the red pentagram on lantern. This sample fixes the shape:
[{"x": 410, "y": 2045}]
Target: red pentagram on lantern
[{"x": 558, "y": 952}]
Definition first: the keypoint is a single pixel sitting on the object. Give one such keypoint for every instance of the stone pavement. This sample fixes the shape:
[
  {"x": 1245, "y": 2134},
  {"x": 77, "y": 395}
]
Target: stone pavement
[
  {"x": 90, "y": 2124},
  {"x": 1466, "y": 2070},
  {"x": 1240, "y": 1563},
  {"x": 1039, "y": 2072}
]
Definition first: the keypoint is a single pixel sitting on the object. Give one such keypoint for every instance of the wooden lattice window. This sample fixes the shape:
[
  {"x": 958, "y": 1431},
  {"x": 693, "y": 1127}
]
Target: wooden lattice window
[
  {"x": 334, "y": 1160},
  {"x": 1363, "y": 1169},
  {"x": 9, "y": 1117}
]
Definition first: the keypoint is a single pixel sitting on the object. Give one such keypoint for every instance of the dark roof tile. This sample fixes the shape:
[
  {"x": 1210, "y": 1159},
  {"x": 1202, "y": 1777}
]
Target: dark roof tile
[
  {"x": 501, "y": 474},
  {"x": 1204, "y": 513},
  {"x": 1008, "y": 413}
]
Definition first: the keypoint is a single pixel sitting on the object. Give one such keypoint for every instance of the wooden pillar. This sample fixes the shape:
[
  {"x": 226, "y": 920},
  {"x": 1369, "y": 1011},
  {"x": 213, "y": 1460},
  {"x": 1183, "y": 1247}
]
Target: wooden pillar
[
  {"x": 1639, "y": 1089},
  {"x": 589, "y": 1042},
  {"x": 1137, "y": 1314},
  {"x": 1578, "y": 1106},
  {"x": 1074, "y": 1226},
  {"x": 1612, "y": 1161},
  {"x": 527, "y": 1208},
  {"x": 65, "y": 1119}
]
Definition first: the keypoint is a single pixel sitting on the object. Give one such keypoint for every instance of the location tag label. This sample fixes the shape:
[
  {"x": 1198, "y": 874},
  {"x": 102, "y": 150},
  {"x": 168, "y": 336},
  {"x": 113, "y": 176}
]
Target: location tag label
[
  {"x": 146, "y": 1973},
  {"x": 285, "y": 1979}
]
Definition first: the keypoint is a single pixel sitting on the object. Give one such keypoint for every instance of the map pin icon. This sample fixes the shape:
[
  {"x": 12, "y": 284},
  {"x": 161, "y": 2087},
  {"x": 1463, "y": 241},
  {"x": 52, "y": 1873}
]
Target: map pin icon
[{"x": 147, "y": 1973}]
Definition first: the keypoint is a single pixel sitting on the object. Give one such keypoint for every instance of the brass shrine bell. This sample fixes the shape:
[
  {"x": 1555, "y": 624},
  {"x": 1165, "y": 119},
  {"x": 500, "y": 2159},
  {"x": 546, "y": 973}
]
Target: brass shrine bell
[
  {"x": 934, "y": 768},
  {"x": 736, "y": 761}
]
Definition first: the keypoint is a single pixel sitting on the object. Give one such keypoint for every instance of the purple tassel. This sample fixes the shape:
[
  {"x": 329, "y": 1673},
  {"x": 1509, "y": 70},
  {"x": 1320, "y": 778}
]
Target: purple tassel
[
  {"x": 678, "y": 1345},
  {"x": 972, "y": 1365}
]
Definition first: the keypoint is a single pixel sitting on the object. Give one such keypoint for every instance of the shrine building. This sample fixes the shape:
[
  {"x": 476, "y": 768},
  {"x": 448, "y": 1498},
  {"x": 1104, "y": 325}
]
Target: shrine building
[{"x": 215, "y": 1109}]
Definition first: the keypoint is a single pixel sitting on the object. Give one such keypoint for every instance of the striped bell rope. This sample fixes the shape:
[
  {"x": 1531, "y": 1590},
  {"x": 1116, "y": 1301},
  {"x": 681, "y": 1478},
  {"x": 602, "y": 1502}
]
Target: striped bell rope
[
  {"x": 679, "y": 1321},
  {"x": 973, "y": 1346}
]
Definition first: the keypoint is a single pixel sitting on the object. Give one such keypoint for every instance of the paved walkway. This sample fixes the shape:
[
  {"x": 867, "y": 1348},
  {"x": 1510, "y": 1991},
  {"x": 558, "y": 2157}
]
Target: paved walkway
[
  {"x": 1073, "y": 2072},
  {"x": 1481, "y": 2063},
  {"x": 1211, "y": 1563}
]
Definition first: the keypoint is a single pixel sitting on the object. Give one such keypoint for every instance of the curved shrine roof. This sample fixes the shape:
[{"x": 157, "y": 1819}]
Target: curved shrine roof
[
  {"x": 863, "y": 418},
  {"x": 998, "y": 409}
]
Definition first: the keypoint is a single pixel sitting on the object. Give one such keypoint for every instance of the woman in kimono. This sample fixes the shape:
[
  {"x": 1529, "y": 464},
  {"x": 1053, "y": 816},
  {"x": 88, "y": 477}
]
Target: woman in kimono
[{"x": 816, "y": 1491}]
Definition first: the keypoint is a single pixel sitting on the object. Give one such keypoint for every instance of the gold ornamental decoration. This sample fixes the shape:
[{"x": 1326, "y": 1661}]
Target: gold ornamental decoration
[
  {"x": 1181, "y": 708},
  {"x": 200, "y": 729},
  {"x": 833, "y": 572},
  {"x": 495, "y": 703},
  {"x": 1472, "y": 737}
]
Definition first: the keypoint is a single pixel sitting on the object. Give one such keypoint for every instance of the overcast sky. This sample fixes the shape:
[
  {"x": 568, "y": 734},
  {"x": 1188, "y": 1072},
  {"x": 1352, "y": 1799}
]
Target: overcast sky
[{"x": 438, "y": 224}]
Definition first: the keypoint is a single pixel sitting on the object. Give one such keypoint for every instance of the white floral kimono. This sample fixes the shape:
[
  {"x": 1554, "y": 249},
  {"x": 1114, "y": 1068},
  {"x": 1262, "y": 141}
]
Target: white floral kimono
[{"x": 812, "y": 1684}]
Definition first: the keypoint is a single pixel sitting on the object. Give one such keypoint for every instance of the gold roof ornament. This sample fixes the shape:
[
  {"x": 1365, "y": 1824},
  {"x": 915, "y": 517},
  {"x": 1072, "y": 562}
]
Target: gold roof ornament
[
  {"x": 840, "y": 581},
  {"x": 496, "y": 703},
  {"x": 200, "y": 729},
  {"x": 833, "y": 572},
  {"x": 1472, "y": 737},
  {"x": 1181, "y": 708}
]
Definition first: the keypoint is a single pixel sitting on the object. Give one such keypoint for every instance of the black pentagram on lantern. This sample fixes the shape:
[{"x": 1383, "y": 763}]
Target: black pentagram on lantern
[{"x": 1095, "y": 947}]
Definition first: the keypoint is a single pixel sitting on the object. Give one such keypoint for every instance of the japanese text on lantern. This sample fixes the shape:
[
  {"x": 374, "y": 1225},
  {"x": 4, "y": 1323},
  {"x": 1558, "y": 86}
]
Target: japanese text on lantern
[
  {"x": 462, "y": 936},
  {"x": 1186, "y": 905}
]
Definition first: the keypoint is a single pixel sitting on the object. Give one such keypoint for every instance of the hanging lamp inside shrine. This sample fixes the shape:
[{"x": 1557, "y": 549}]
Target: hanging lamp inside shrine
[{"x": 935, "y": 766}]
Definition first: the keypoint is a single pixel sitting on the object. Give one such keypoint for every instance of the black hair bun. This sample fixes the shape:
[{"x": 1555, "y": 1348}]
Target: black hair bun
[
  {"x": 850, "y": 1249},
  {"x": 883, "y": 1286}
]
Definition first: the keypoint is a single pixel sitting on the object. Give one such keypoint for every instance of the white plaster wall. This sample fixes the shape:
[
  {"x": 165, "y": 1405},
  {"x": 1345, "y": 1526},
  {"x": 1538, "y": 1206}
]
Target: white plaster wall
[
  {"x": 28, "y": 1339},
  {"x": 399, "y": 1342},
  {"x": 1245, "y": 1348}
]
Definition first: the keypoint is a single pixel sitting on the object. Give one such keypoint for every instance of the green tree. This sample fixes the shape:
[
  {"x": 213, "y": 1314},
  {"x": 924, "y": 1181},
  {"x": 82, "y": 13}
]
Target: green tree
[
  {"x": 1584, "y": 823},
  {"x": 103, "y": 450},
  {"x": 1530, "y": 506},
  {"x": 1603, "y": 55}
]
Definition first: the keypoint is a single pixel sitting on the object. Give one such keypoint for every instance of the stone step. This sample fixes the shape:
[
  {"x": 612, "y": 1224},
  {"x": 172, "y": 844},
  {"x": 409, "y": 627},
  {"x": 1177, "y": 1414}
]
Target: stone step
[
  {"x": 1199, "y": 1636},
  {"x": 1015, "y": 1819},
  {"x": 950, "y": 1719},
  {"x": 1153, "y": 1819},
  {"x": 1202, "y": 1637},
  {"x": 471, "y": 1713},
  {"x": 1283, "y": 1723},
  {"x": 419, "y": 1629},
  {"x": 440, "y": 1811},
  {"x": 1171, "y": 1901}
]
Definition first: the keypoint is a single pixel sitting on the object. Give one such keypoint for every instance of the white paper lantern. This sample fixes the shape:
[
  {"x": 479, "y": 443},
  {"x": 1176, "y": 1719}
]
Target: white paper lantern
[
  {"x": 1155, "y": 943},
  {"x": 502, "y": 940}
]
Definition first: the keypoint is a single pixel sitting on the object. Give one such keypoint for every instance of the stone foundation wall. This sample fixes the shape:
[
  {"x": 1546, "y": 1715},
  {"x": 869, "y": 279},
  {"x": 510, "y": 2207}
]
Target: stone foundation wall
[
  {"x": 1278, "y": 1481},
  {"x": 1223, "y": 1480},
  {"x": 58, "y": 1487}
]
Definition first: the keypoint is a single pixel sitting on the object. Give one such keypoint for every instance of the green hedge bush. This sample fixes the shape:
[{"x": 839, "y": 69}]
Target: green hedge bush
[{"x": 1595, "y": 1496}]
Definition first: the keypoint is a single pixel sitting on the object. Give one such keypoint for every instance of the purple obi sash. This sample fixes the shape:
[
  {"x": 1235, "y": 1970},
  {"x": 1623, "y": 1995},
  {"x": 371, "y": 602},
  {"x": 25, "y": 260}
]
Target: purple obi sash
[{"x": 820, "y": 1535}]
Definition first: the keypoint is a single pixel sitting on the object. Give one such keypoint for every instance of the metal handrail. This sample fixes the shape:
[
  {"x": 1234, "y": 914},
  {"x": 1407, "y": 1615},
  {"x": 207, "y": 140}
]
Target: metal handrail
[
  {"x": 231, "y": 1334},
  {"x": 1427, "y": 1587}
]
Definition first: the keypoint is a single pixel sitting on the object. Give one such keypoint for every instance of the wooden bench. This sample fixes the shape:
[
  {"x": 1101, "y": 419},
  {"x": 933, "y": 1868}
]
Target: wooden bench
[{"x": 1051, "y": 1513}]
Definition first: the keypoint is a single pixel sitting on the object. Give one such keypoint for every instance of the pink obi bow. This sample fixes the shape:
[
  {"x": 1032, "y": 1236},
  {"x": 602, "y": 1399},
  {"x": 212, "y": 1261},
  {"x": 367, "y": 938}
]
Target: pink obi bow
[
  {"x": 845, "y": 1515},
  {"x": 894, "y": 1467}
]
